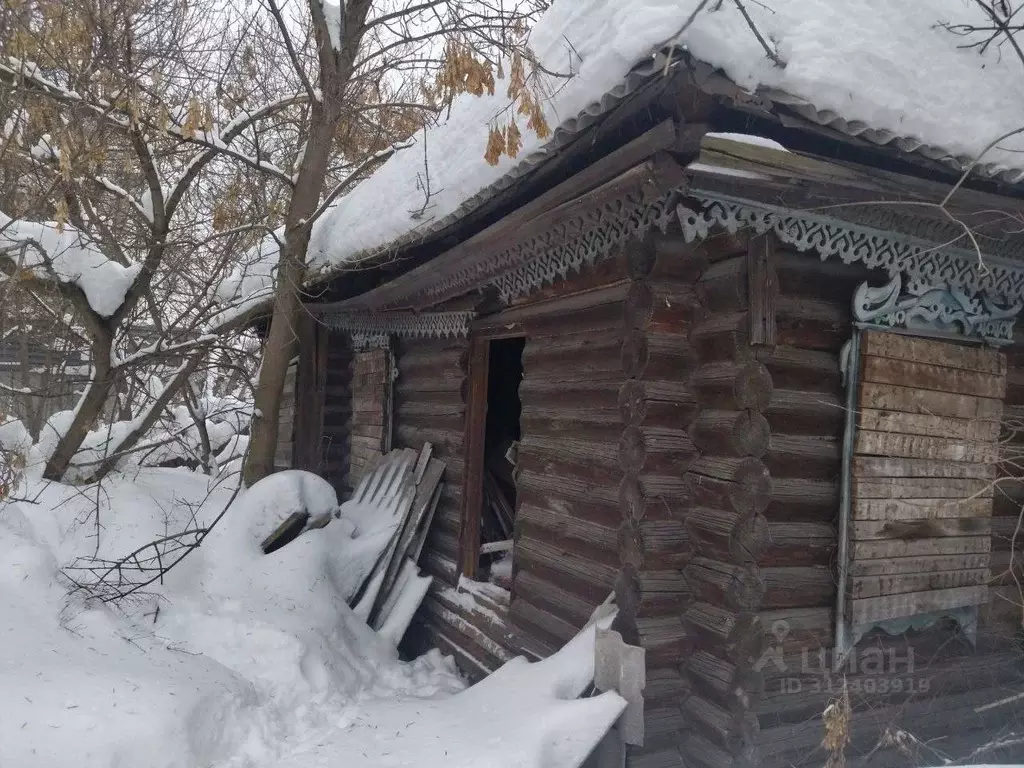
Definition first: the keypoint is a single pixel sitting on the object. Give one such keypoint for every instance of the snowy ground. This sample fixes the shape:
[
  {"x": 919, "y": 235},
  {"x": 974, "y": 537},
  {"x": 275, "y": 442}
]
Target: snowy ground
[{"x": 251, "y": 660}]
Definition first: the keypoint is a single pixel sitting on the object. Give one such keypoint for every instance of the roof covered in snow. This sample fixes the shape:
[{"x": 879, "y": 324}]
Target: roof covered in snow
[{"x": 890, "y": 73}]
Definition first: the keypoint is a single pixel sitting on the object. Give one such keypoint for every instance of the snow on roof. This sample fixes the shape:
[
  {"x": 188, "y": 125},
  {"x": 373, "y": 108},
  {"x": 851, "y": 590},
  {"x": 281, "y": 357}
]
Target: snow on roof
[
  {"x": 73, "y": 259},
  {"x": 889, "y": 71}
]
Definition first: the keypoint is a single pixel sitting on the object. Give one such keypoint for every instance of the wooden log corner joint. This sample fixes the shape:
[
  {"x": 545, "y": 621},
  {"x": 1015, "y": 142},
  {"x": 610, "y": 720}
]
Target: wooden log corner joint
[{"x": 920, "y": 458}]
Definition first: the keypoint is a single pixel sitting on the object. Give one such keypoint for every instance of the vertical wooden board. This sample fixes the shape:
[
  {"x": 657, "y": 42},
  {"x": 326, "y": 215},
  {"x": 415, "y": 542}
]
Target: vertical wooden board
[
  {"x": 476, "y": 421},
  {"x": 934, "y": 352},
  {"x": 763, "y": 289}
]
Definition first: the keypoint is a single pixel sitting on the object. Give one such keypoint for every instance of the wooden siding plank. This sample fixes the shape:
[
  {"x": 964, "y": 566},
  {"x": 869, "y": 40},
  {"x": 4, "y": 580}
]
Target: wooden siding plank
[
  {"x": 871, "y": 609},
  {"x": 902, "y": 398},
  {"x": 883, "y": 370},
  {"x": 971, "y": 430},
  {"x": 918, "y": 446},
  {"x": 920, "y": 509},
  {"x": 933, "y": 352}
]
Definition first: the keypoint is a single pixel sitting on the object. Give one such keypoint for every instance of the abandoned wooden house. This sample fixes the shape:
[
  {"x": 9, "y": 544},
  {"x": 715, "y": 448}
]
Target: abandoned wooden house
[{"x": 761, "y": 389}]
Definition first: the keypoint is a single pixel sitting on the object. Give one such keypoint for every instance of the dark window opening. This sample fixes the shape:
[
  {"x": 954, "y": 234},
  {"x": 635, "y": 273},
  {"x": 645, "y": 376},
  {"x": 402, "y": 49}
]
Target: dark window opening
[{"x": 501, "y": 443}]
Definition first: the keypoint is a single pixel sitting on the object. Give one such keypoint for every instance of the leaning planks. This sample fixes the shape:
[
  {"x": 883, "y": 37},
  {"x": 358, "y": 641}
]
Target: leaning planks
[{"x": 923, "y": 468}]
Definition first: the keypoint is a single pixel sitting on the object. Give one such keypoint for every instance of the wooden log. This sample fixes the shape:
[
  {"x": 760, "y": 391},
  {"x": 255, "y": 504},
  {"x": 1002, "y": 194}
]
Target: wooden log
[
  {"x": 741, "y": 538},
  {"x": 799, "y": 543},
  {"x": 722, "y": 336},
  {"x": 797, "y": 587},
  {"x": 728, "y": 584},
  {"x": 812, "y": 323},
  {"x": 732, "y": 386},
  {"x": 731, "y": 433},
  {"x": 804, "y": 456},
  {"x": 804, "y": 369},
  {"x": 798, "y": 412},
  {"x": 734, "y": 687},
  {"x": 559, "y": 602},
  {"x": 732, "y": 635},
  {"x": 731, "y": 731},
  {"x": 664, "y": 640},
  {"x": 723, "y": 287},
  {"x": 745, "y": 482}
]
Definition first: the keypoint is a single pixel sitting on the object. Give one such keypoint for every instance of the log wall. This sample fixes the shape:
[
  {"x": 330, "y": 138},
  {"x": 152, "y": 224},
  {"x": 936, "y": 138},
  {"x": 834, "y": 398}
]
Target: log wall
[
  {"x": 919, "y": 681},
  {"x": 335, "y": 445}
]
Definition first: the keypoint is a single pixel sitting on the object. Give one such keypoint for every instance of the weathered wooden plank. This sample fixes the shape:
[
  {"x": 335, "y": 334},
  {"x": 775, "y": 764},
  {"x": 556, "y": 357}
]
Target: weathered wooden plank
[
  {"x": 887, "y": 466},
  {"x": 877, "y": 586},
  {"x": 884, "y": 370},
  {"x": 962, "y": 545},
  {"x": 918, "y": 564},
  {"x": 919, "y": 509},
  {"x": 920, "y": 488},
  {"x": 970, "y": 430},
  {"x": 910, "y": 400},
  {"x": 922, "y": 529},
  {"x": 763, "y": 289},
  {"x": 944, "y": 353},
  {"x": 911, "y": 603},
  {"x": 919, "y": 446}
]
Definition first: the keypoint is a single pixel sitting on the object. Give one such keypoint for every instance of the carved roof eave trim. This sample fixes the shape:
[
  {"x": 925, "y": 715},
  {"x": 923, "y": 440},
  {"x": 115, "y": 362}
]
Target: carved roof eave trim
[
  {"x": 421, "y": 325},
  {"x": 892, "y": 252},
  {"x": 571, "y": 235}
]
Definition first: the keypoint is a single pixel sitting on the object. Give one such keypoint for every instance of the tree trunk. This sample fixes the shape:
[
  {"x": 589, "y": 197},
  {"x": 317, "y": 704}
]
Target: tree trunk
[
  {"x": 146, "y": 423},
  {"x": 282, "y": 341},
  {"x": 89, "y": 408}
]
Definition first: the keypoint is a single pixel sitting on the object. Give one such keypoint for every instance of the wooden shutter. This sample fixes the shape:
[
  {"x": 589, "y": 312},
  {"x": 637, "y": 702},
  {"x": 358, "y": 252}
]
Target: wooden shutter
[
  {"x": 371, "y": 409},
  {"x": 924, "y": 458}
]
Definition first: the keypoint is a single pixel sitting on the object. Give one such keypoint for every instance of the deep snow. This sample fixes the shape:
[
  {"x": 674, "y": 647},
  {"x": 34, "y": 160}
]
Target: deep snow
[{"x": 243, "y": 659}]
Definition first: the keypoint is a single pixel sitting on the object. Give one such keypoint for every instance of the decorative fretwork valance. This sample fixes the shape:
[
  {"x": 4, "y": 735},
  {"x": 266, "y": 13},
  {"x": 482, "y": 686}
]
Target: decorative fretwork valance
[
  {"x": 938, "y": 310},
  {"x": 368, "y": 325},
  {"x": 931, "y": 263}
]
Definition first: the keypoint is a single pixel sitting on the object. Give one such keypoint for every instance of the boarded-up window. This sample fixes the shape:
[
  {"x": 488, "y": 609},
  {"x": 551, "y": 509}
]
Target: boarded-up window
[
  {"x": 924, "y": 453},
  {"x": 371, "y": 409}
]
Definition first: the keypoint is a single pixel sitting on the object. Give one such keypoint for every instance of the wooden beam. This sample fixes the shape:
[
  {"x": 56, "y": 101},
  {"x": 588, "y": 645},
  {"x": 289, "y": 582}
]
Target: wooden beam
[
  {"x": 763, "y": 289},
  {"x": 473, "y": 481}
]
